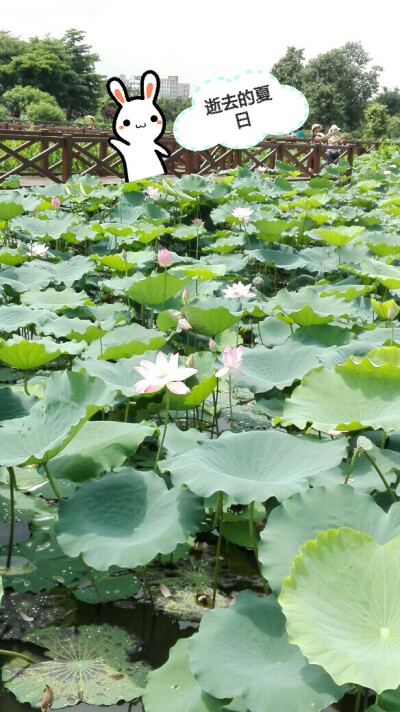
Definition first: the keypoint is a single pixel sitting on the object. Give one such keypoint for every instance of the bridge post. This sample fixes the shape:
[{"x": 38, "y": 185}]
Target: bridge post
[{"x": 66, "y": 157}]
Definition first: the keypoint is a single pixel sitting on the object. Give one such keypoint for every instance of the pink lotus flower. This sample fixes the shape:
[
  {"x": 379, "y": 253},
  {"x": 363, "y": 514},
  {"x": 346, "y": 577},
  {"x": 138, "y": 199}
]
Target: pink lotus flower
[
  {"x": 183, "y": 323},
  {"x": 37, "y": 249},
  {"x": 56, "y": 202},
  {"x": 164, "y": 258},
  {"x": 237, "y": 290},
  {"x": 163, "y": 373},
  {"x": 232, "y": 360},
  {"x": 212, "y": 345}
]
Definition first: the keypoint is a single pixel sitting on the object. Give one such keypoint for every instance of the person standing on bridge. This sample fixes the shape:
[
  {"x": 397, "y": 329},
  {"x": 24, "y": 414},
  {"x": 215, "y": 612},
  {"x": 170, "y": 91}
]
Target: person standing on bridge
[{"x": 317, "y": 135}]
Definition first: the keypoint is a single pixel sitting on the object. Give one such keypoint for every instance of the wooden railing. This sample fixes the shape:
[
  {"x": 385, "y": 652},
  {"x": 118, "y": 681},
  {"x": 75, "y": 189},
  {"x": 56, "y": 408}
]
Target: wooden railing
[{"x": 57, "y": 156}]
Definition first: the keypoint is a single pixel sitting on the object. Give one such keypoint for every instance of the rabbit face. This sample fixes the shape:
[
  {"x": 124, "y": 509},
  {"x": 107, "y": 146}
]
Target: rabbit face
[{"x": 138, "y": 120}]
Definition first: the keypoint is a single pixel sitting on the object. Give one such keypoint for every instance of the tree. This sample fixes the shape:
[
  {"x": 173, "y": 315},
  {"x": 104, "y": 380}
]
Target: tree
[
  {"x": 44, "y": 111},
  {"x": 391, "y": 99},
  {"x": 20, "y": 97},
  {"x": 344, "y": 74},
  {"x": 290, "y": 68},
  {"x": 10, "y": 46},
  {"x": 393, "y": 130},
  {"x": 377, "y": 121},
  {"x": 85, "y": 86}
]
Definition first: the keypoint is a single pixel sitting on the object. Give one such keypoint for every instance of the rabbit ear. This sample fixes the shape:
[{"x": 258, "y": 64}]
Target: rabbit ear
[
  {"x": 117, "y": 91},
  {"x": 150, "y": 85}
]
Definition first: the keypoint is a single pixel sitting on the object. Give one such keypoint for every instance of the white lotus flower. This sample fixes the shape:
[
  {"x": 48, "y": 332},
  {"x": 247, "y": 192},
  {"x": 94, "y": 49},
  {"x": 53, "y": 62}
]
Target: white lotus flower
[
  {"x": 163, "y": 373},
  {"x": 152, "y": 192},
  {"x": 37, "y": 249},
  {"x": 237, "y": 290},
  {"x": 242, "y": 214}
]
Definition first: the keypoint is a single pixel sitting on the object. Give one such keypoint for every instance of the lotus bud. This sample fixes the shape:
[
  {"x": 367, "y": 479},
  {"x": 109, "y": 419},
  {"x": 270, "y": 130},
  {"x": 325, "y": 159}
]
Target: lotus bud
[
  {"x": 123, "y": 255},
  {"x": 190, "y": 361},
  {"x": 185, "y": 295},
  {"x": 183, "y": 323},
  {"x": 212, "y": 345},
  {"x": 20, "y": 245},
  {"x": 97, "y": 323},
  {"x": 165, "y": 258},
  {"x": 56, "y": 202},
  {"x": 258, "y": 281}
]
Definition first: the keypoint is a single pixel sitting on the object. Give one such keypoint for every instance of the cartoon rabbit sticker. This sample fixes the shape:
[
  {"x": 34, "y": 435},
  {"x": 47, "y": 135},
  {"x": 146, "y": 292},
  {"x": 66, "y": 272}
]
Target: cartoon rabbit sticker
[{"x": 138, "y": 123}]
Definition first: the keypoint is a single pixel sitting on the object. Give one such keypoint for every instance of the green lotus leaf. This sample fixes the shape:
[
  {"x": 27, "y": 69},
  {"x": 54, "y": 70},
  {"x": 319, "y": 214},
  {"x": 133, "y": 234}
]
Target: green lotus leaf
[
  {"x": 349, "y": 624},
  {"x": 244, "y": 650},
  {"x": 302, "y": 516},
  {"x": 31, "y": 275},
  {"x": 53, "y": 300},
  {"x": 125, "y": 341},
  {"x": 326, "y": 398},
  {"x": 178, "y": 441},
  {"x": 10, "y": 210},
  {"x": 225, "y": 245},
  {"x": 389, "y": 701},
  {"x": 388, "y": 275},
  {"x": 271, "y": 230},
  {"x": 272, "y": 331},
  {"x": 204, "y": 272},
  {"x": 69, "y": 400},
  {"x": 18, "y": 567},
  {"x": 282, "y": 258},
  {"x": 306, "y": 307},
  {"x": 173, "y": 687},
  {"x": 191, "y": 184},
  {"x": 156, "y": 289},
  {"x": 336, "y": 236},
  {"x": 39, "y": 228},
  {"x": 264, "y": 369},
  {"x": 211, "y": 316},
  {"x": 69, "y": 271},
  {"x": 25, "y": 355},
  {"x": 14, "y": 404},
  {"x": 126, "y": 519},
  {"x": 11, "y": 257},
  {"x": 201, "y": 384},
  {"x": 63, "y": 327},
  {"x": 112, "y": 586},
  {"x": 348, "y": 289},
  {"x": 120, "y": 376},
  {"x": 237, "y": 464},
  {"x": 98, "y": 447},
  {"x": 89, "y": 663},
  {"x": 15, "y": 316}
]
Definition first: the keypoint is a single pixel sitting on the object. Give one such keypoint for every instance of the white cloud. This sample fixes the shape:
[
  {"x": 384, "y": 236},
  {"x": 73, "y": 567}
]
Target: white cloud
[{"x": 240, "y": 112}]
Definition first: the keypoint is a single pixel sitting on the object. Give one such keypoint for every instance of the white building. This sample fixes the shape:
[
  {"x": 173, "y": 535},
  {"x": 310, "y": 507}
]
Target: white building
[{"x": 169, "y": 87}]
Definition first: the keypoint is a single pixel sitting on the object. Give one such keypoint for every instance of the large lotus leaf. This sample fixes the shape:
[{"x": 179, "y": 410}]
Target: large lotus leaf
[
  {"x": 120, "y": 376},
  {"x": 25, "y": 355},
  {"x": 54, "y": 300},
  {"x": 307, "y": 307},
  {"x": 336, "y": 236},
  {"x": 389, "y": 701},
  {"x": 126, "y": 519},
  {"x": 302, "y": 516},
  {"x": 121, "y": 264},
  {"x": 271, "y": 230},
  {"x": 98, "y": 447},
  {"x": 383, "y": 244},
  {"x": 211, "y": 316},
  {"x": 63, "y": 327},
  {"x": 11, "y": 257},
  {"x": 10, "y": 210},
  {"x": 347, "y": 288},
  {"x": 45, "y": 229},
  {"x": 264, "y": 369},
  {"x": 15, "y": 316},
  {"x": 348, "y": 397},
  {"x": 69, "y": 400},
  {"x": 254, "y": 465},
  {"x": 89, "y": 663},
  {"x": 69, "y": 271},
  {"x": 173, "y": 687},
  {"x": 272, "y": 331},
  {"x": 156, "y": 289},
  {"x": 31, "y": 275},
  {"x": 244, "y": 650},
  {"x": 325, "y": 259},
  {"x": 178, "y": 441},
  {"x": 113, "y": 585},
  {"x": 125, "y": 341},
  {"x": 341, "y": 606},
  {"x": 14, "y": 404},
  {"x": 283, "y": 259},
  {"x": 388, "y": 275}
]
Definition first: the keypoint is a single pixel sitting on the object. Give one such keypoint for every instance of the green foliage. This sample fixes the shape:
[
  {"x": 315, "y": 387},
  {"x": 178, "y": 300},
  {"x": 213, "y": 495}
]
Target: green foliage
[
  {"x": 391, "y": 99},
  {"x": 290, "y": 68},
  {"x": 377, "y": 121},
  {"x": 44, "y": 111},
  {"x": 19, "y": 97}
]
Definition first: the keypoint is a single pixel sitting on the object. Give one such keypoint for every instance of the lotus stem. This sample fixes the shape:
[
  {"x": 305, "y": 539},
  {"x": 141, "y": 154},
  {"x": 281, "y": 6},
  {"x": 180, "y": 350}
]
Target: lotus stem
[
  {"x": 384, "y": 480},
  {"x": 13, "y": 654},
  {"x": 218, "y": 516},
  {"x": 351, "y": 467},
  {"x": 383, "y": 441},
  {"x": 146, "y": 586},
  {"x": 13, "y": 483},
  {"x": 377, "y": 699},
  {"x": 91, "y": 579},
  {"x": 165, "y": 286},
  {"x": 230, "y": 401},
  {"x": 26, "y": 374},
  {"x": 127, "y": 411},
  {"x": 253, "y": 537},
  {"x": 51, "y": 480},
  {"x": 358, "y": 699},
  {"x": 164, "y": 431}
]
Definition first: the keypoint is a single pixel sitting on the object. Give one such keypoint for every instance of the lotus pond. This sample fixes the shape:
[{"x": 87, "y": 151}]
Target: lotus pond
[{"x": 200, "y": 442}]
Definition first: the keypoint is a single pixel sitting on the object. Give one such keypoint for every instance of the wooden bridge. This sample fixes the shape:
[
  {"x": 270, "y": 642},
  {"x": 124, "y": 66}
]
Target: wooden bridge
[{"x": 53, "y": 155}]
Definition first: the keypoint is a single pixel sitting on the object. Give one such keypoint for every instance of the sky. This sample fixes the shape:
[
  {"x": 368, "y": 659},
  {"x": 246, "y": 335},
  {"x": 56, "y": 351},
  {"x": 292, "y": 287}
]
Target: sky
[{"x": 198, "y": 40}]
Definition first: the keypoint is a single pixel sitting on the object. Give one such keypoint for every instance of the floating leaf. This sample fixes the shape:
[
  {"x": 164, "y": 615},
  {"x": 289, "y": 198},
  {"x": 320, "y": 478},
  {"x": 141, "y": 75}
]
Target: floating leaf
[
  {"x": 26, "y": 355},
  {"x": 125, "y": 341},
  {"x": 264, "y": 369},
  {"x": 156, "y": 289},
  {"x": 350, "y": 623},
  {"x": 88, "y": 664}
]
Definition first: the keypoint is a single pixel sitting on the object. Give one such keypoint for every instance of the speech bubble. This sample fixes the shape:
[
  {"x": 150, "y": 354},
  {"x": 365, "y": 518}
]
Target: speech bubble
[{"x": 240, "y": 112}]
